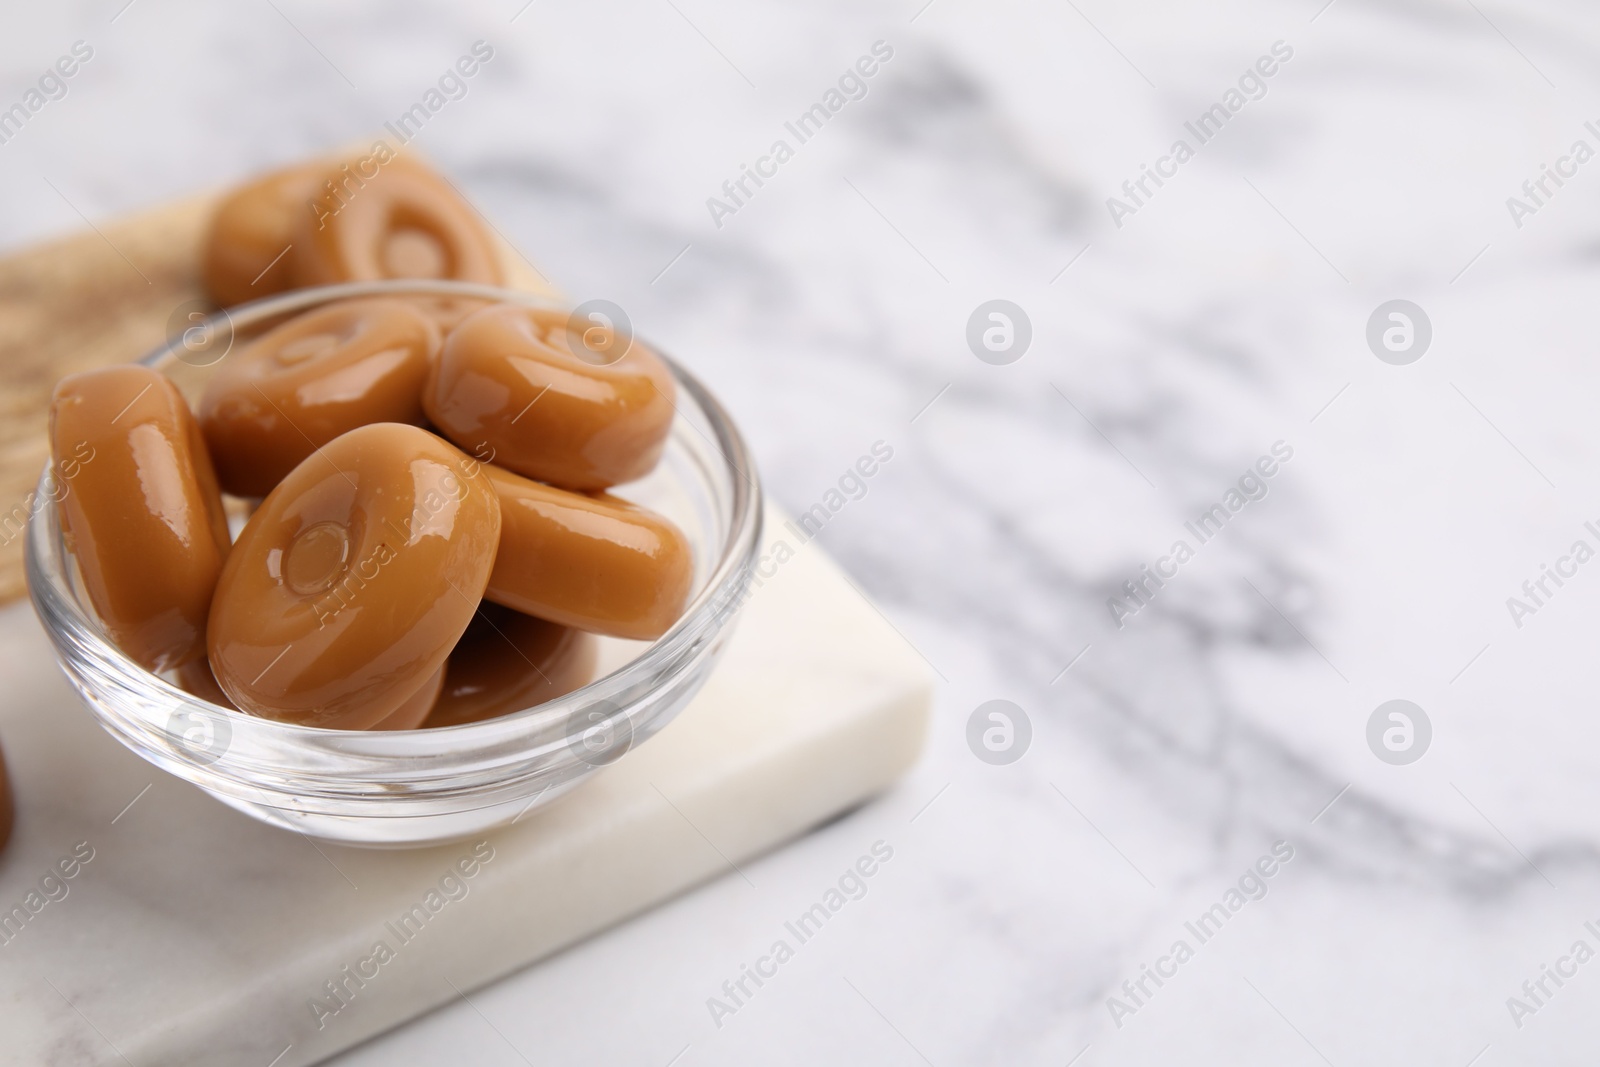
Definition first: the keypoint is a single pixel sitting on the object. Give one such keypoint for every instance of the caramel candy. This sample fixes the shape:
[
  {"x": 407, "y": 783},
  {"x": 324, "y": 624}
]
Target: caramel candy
[
  {"x": 507, "y": 661},
  {"x": 196, "y": 679},
  {"x": 300, "y": 385},
  {"x": 8, "y": 810},
  {"x": 595, "y": 563},
  {"x": 390, "y": 217},
  {"x": 139, "y": 508},
  {"x": 447, "y": 312},
  {"x": 508, "y": 381},
  {"x": 414, "y": 711},
  {"x": 350, "y": 584},
  {"x": 244, "y": 257}
]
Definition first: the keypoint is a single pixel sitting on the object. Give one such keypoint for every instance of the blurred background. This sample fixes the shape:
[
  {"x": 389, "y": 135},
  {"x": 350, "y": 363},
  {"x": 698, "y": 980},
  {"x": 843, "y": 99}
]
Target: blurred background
[{"x": 1176, "y": 333}]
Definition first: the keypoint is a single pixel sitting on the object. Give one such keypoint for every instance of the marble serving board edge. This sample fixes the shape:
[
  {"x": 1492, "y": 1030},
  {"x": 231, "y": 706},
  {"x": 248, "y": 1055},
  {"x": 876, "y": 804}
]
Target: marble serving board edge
[{"x": 196, "y": 935}]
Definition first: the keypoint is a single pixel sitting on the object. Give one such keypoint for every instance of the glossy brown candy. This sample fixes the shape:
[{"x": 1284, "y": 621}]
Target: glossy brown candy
[
  {"x": 351, "y": 583},
  {"x": 139, "y": 509},
  {"x": 245, "y": 254},
  {"x": 507, "y": 382},
  {"x": 276, "y": 400},
  {"x": 415, "y": 710},
  {"x": 596, "y": 563},
  {"x": 447, "y": 312},
  {"x": 195, "y": 678},
  {"x": 507, "y": 661},
  {"x": 391, "y": 219}
]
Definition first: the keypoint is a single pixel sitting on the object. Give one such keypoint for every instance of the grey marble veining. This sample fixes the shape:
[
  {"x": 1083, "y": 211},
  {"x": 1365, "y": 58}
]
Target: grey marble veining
[{"x": 1226, "y": 314}]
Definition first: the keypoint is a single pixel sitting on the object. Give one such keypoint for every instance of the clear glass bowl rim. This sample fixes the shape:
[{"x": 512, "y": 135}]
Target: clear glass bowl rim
[{"x": 473, "y": 758}]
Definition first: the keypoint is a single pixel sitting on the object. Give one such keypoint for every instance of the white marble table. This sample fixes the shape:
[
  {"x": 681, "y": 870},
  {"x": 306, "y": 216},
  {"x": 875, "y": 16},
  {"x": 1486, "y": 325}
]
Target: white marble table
[{"x": 1226, "y": 313}]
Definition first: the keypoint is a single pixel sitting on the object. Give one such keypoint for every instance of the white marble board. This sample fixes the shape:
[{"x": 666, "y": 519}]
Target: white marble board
[{"x": 190, "y": 934}]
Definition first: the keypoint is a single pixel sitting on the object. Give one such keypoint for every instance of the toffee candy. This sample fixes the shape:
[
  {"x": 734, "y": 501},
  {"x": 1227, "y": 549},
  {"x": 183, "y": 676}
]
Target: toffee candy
[
  {"x": 350, "y": 584},
  {"x": 140, "y": 509},
  {"x": 595, "y": 563},
  {"x": 402, "y": 221},
  {"x": 244, "y": 254},
  {"x": 195, "y": 678},
  {"x": 507, "y": 661},
  {"x": 507, "y": 384},
  {"x": 447, "y": 312},
  {"x": 411, "y": 714},
  {"x": 298, "y": 386}
]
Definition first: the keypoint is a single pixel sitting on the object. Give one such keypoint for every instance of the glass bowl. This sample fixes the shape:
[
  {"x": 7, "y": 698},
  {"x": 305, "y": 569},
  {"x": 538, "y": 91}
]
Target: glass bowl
[{"x": 409, "y": 788}]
